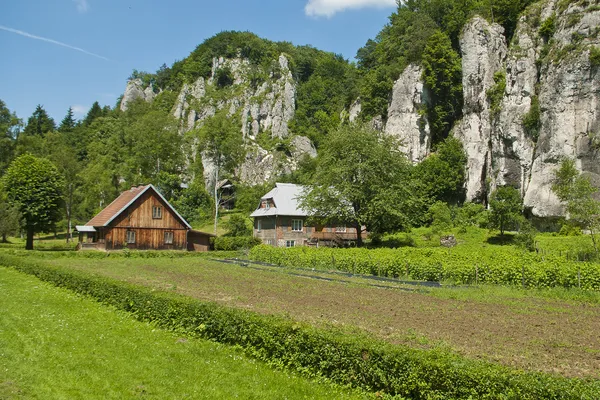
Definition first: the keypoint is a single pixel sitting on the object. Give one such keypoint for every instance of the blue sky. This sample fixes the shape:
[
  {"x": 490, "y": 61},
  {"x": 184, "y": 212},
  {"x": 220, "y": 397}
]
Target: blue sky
[{"x": 63, "y": 53}]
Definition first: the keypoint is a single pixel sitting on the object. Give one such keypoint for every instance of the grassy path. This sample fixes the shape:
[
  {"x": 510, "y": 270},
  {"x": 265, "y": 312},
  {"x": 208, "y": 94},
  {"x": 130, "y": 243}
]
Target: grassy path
[{"x": 57, "y": 345}]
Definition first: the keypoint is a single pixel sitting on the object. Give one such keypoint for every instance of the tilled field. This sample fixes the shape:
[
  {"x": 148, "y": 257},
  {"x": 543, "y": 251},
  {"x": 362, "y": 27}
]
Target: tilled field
[{"x": 532, "y": 333}]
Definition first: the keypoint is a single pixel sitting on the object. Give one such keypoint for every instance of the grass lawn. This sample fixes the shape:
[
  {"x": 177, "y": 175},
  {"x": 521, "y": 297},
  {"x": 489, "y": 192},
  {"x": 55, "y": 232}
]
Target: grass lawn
[
  {"x": 551, "y": 330},
  {"x": 58, "y": 345}
]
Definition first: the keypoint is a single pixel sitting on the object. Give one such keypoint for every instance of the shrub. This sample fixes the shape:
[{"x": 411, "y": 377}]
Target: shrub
[
  {"x": 548, "y": 27},
  {"x": 531, "y": 121},
  {"x": 238, "y": 226},
  {"x": 595, "y": 57},
  {"x": 227, "y": 243},
  {"x": 501, "y": 266}
]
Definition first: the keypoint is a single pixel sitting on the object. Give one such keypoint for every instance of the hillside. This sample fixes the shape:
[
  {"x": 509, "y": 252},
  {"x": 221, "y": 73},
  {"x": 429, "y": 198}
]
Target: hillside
[{"x": 519, "y": 94}]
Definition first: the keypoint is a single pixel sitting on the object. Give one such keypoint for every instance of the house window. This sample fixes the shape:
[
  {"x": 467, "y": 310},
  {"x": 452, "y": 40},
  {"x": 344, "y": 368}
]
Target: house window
[
  {"x": 340, "y": 229},
  {"x": 258, "y": 225},
  {"x": 156, "y": 212},
  {"x": 296, "y": 225},
  {"x": 168, "y": 237},
  {"x": 130, "y": 237},
  {"x": 290, "y": 243},
  {"x": 267, "y": 205}
]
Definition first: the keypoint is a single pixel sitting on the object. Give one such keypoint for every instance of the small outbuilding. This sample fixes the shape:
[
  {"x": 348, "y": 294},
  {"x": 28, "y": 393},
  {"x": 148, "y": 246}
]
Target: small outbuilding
[{"x": 141, "y": 218}]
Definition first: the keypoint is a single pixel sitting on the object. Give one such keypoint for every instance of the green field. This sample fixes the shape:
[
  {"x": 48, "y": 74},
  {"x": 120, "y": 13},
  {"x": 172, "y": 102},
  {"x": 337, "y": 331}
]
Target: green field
[
  {"x": 550, "y": 330},
  {"x": 58, "y": 345}
]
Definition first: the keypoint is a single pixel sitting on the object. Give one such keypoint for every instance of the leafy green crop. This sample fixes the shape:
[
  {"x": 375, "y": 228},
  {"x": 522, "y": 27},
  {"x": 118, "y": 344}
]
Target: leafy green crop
[{"x": 458, "y": 265}]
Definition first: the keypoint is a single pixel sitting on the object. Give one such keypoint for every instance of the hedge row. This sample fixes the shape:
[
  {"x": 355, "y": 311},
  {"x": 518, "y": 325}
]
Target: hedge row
[
  {"x": 458, "y": 265},
  {"x": 122, "y": 254},
  {"x": 353, "y": 360},
  {"x": 227, "y": 243}
]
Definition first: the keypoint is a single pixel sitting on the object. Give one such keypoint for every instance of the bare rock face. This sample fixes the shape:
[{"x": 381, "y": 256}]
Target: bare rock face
[
  {"x": 406, "y": 118},
  {"x": 483, "y": 53},
  {"x": 554, "y": 72},
  {"x": 569, "y": 95},
  {"x": 355, "y": 110},
  {"x": 265, "y": 107},
  {"x": 135, "y": 90},
  {"x": 512, "y": 148}
]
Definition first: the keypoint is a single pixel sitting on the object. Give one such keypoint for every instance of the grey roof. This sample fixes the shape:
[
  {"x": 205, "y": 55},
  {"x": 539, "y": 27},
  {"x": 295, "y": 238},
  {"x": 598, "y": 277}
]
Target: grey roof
[{"x": 285, "y": 196}]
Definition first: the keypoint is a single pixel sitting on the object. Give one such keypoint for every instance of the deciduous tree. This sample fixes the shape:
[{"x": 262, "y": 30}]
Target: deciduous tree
[
  {"x": 362, "y": 178},
  {"x": 221, "y": 142},
  {"x": 506, "y": 206},
  {"x": 578, "y": 193},
  {"x": 34, "y": 186}
]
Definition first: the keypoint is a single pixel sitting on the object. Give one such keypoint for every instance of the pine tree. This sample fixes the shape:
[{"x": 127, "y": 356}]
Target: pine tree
[
  {"x": 39, "y": 123},
  {"x": 68, "y": 123},
  {"x": 94, "y": 112}
]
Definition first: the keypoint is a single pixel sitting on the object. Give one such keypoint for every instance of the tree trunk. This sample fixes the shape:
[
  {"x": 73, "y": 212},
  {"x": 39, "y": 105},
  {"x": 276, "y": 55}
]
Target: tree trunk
[
  {"x": 4, "y": 238},
  {"x": 29, "y": 242},
  {"x": 216, "y": 196},
  {"x": 359, "y": 242},
  {"x": 68, "y": 206},
  {"x": 593, "y": 236}
]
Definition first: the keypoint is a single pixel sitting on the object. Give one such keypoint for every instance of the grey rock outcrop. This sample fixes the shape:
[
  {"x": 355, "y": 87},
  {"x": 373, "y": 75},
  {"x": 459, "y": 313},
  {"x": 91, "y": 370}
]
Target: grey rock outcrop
[
  {"x": 265, "y": 108},
  {"x": 483, "y": 49},
  {"x": 406, "y": 119},
  {"x": 135, "y": 90},
  {"x": 557, "y": 75},
  {"x": 569, "y": 95}
]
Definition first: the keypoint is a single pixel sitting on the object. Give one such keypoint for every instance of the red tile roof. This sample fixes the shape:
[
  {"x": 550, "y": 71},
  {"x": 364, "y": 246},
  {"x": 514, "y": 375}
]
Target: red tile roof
[{"x": 114, "y": 208}]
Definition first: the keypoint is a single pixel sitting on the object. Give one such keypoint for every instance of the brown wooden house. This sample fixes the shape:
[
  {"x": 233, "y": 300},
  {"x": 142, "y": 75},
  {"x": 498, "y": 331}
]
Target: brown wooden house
[
  {"x": 141, "y": 218},
  {"x": 280, "y": 221}
]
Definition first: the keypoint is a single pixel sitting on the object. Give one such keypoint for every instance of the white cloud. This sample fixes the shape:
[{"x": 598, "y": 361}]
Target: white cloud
[
  {"x": 327, "y": 8},
  {"x": 79, "y": 110},
  {"x": 82, "y": 5},
  {"x": 56, "y": 42}
]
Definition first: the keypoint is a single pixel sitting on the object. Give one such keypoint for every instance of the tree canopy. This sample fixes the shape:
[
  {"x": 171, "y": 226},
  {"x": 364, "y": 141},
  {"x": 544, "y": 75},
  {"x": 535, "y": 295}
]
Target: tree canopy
[
  {"x": 506, "y": 206},
  {"x": 34, "y": 186},
  {"x": 576, "y": 190},
  {"x": 361, "y": 178}
]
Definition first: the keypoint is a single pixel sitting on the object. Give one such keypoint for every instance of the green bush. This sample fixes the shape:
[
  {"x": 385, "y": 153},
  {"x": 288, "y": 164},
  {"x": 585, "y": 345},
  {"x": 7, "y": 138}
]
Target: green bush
[
  {"x": 595, "y": 57},
  {"x": 548, "y": 27},
  {"x": 353, "y": 360},
  {"x": 496, "y": 265},
  {"x": 531, "y": 120},
  {"x": 235, "y": 243}
]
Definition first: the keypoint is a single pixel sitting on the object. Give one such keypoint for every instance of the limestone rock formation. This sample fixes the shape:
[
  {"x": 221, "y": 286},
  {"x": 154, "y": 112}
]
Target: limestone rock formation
[
  {"x": 264, "y": 108},
  {"x": 569, "y": 96},
  {"x": 406, "y": 119},
  {"x": 483, "y": 52},
  {"x": 135, "y": 90}
]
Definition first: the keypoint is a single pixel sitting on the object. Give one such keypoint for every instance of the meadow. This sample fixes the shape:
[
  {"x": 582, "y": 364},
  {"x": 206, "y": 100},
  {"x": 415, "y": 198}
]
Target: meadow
[
  {"x": 59, "y": 345},
  {"x": 529, "y": 329}
]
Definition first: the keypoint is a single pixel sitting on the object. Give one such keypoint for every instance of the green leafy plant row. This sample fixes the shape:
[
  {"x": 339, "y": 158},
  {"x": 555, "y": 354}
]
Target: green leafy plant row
[
  {"x": 460, "y": 266},
  {"x": 226, "y": 243},
  {"x": 121, "y": 254},
  {"x": 353, "y": 360}
]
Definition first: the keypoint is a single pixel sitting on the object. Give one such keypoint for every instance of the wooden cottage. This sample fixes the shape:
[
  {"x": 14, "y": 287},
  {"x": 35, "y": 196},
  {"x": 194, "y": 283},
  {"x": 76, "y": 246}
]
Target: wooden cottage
[
  {"x": 280, "y": 221},
  {"x": 141, "y": 218}
]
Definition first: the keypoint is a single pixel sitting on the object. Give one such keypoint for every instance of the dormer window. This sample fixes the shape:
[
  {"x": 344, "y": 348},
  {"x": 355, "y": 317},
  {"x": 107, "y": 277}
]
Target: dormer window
[{"x": 156, "y": 212}]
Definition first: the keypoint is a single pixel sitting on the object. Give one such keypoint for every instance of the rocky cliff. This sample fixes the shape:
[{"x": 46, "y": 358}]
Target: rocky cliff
[
  {"x": 549, "y": 105},
  {"x": 263, "y": 108}
]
